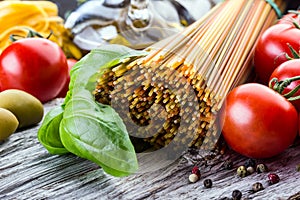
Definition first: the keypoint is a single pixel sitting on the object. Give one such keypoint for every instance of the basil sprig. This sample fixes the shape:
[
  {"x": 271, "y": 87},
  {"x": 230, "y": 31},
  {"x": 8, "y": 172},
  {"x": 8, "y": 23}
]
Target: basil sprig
[{"x": 87, "y": 128}]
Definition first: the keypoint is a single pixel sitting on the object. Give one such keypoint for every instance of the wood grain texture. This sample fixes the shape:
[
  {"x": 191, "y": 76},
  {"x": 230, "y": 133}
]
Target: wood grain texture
[{"x": 28, "y": 171}]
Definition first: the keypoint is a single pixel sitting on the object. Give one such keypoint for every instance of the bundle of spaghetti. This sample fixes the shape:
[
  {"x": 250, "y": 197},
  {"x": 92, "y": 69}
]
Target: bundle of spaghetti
[
  {"x": 18, "y": 17},
  {"x": 176, "y": 91}
]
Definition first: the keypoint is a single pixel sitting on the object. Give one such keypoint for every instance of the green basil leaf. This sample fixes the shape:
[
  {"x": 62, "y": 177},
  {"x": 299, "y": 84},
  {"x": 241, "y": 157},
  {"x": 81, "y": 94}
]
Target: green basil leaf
[
  {"x": 92, "y": 130},
  {"x": 95, "y": 132},
  {"x": 48, "y": 133}
]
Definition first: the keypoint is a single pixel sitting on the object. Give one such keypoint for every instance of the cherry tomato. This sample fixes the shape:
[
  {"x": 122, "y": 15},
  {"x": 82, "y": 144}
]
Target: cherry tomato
[
  {"x": 35, "y": 65},
  {"x": 71, "y": 62},
  {"x": 286, "y": 70},
  {"x": 272, "y": 47},
  {"x": 258, "y": 122}
]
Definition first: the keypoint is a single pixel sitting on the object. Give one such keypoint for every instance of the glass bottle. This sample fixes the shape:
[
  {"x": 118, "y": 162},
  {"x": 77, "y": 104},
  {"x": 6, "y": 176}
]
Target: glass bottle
[{"x": 133, "y": 23}]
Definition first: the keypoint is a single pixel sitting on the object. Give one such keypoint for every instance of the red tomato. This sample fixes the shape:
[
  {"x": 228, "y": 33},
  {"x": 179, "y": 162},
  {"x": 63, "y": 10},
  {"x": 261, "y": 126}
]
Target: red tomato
[
  {"x": 289, "y": 18},
  {"x": 299, "y": 125},
  {"x": 258, "y": 122},
  {"x": 71, "y": 62},
  {"x": 35, "y": 65},
  {"x": 272, "y": 47},
  {"x": 287, "y": 70}
]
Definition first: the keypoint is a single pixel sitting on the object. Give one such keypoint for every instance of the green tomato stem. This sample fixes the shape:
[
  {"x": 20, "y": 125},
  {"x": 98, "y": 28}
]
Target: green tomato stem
[
  {"x": 31, "y": 33},
  {"x": 294, "y": 12},
  {"x": 295, "y": 23},
  {"x": 279, "y": 87},
  {"x": 290, "y": 94},
  {"x": 293, "y": 51}
]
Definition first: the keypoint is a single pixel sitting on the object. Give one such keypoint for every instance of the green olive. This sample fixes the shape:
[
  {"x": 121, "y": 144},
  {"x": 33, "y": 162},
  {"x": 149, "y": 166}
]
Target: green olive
[
  {"x": 27, "y": 108},
  {"x": 8, "y": 123}
]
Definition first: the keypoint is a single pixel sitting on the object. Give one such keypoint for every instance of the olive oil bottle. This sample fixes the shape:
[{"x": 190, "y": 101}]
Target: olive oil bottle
[{"x": 133, "y": 23}]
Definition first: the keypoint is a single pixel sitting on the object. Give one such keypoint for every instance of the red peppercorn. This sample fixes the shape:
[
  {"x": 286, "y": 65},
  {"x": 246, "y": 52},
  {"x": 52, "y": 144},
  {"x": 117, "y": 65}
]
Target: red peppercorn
[
  {"x": 196, "y": 171},
  {"x": 273, "y": 178}
]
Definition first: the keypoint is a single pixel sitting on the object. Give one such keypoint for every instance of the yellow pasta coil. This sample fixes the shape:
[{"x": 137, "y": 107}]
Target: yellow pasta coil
[{"x": 17, "y": 17}]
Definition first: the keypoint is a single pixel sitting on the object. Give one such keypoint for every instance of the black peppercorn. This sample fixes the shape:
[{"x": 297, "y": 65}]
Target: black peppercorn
[
  {"x": 228, "y": 165},
  {"x": 250, "y": 163},
  {"x": 257, "y": 187},
  {"x": 260, "y": 168},
  {"x": 236, "y": 195},
  {"x": 207, "y": 183}
]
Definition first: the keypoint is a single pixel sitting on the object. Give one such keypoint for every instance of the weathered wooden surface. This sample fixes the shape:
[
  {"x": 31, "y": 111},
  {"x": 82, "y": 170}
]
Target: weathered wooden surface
[{"x": 28, "y": 171}]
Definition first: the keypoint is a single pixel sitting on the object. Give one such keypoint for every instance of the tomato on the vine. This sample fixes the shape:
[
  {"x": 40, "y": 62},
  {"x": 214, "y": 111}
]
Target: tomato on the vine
[
  {"x": 272, "y": 47},
  {"x": 258, "y": 122},
  {"x": 35, "y": 65},
  {"x": 284, "y": 72}
]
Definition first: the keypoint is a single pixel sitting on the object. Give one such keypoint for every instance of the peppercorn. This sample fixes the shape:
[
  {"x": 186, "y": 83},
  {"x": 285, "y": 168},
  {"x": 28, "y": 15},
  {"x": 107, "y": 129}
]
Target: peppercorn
[
  {"x": 196, "y": 171},
  {"x": 273, "y": 178},
  {"x": 250, "y": 170},
  {"x": 260, "y": 168},
  {"x": 207, "y": 183},
  {"x": 257, "y": 187},
  {"x": 236, "y": 195},
  {"x": 298, "y": 168},
  {"x": 193, "y": 178},
  {"x": 250, "y": 163},
  {"x": 228, "y": 164},
  {"x": 242, "y": 171}
]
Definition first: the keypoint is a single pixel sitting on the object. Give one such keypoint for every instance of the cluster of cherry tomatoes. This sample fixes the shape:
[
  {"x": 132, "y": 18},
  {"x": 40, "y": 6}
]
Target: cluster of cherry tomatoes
[
  {"x": 37, "y": 66},
  {"x": 261, "y": 119}
]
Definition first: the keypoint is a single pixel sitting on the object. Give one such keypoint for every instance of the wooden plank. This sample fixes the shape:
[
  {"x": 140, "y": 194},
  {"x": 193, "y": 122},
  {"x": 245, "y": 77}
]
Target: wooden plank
[{"x": 28, "y": 171}]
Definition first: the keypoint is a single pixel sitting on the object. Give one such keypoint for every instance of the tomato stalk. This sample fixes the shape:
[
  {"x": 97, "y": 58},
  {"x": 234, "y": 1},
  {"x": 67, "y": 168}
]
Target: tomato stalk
[
  {"x": 294, "y": 53},
  {"x": 31, "y": 34},
  {"x": 294, "y": 12},
  {"x": 295, "y": 23},
  {"x": 279, "y": 87}
]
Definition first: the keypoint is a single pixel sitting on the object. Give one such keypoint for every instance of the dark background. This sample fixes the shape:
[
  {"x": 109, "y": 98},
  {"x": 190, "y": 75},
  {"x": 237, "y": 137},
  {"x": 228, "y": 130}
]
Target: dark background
[
  {"x": 65, "y": 6},
  {"x": 293, "y": 4}
]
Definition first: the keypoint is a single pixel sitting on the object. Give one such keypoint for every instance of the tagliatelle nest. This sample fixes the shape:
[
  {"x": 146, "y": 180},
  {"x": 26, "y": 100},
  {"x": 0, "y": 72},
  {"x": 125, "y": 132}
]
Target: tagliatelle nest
[{"x": 18, "y": 17}]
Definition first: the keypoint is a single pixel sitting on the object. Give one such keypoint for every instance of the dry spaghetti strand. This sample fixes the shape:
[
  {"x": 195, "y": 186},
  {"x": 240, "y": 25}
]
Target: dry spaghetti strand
[{"x": 211, "y": 56}]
